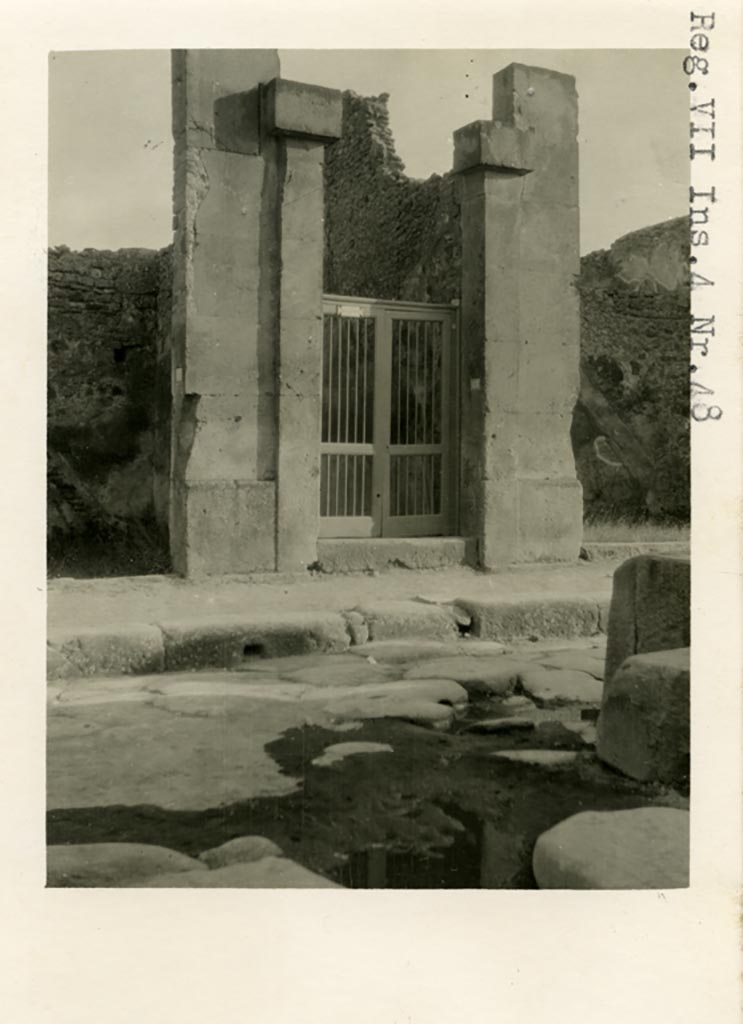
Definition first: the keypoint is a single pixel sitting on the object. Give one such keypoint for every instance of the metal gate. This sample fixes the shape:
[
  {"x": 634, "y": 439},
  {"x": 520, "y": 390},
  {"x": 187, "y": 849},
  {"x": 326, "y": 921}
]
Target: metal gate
[{"x": 388, "y": 418}]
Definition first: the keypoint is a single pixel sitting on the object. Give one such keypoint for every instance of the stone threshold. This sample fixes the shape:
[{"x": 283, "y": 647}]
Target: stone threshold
[{"x": 375, "y": 554}]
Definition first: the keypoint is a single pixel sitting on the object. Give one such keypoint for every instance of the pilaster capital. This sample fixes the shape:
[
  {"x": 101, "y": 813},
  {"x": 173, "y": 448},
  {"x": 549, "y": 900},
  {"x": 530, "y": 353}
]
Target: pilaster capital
[
  {"x": 305, "y": 111},
  {"x": 492, "y": 146}
]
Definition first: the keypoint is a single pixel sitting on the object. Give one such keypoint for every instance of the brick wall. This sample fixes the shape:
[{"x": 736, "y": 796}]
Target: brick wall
[
  {"x": 107, "y": 314},
  {"x": 387, "y": 236}
]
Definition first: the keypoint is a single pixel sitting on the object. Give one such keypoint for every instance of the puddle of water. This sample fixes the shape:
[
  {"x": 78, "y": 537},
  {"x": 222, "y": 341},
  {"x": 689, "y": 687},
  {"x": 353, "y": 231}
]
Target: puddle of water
[{"x": 480, "y": 857}]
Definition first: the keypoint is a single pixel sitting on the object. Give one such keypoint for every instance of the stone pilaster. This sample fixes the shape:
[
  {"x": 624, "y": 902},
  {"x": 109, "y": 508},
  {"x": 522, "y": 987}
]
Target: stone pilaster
[
  {"x": 304, "y": 118},
  {"x": 520, "y": 497},
  {"x": 225, "y": 291}
]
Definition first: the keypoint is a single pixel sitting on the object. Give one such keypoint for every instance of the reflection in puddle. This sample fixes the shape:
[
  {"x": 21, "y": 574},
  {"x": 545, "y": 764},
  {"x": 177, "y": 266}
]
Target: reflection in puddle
[{"x": 480, "y": 857}]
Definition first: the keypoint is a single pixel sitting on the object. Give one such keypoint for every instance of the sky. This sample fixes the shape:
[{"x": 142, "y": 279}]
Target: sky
[{"x": 110, "y": 148}]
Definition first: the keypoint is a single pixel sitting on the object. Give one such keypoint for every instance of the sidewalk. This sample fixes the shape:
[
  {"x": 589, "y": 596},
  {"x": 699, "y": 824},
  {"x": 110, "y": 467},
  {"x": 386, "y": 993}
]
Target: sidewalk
[
  {"x": 134, "y": 625},
  {"x": 142, "y": 624}
]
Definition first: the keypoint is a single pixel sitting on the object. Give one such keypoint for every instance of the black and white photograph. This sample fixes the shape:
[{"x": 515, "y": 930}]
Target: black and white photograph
[
  {"x": 368, "y": 494},
  {"x": 371, "y": 515}
]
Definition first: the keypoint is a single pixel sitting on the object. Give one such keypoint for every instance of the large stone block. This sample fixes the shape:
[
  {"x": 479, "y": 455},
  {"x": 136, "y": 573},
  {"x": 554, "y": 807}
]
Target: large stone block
[
  {"x": 645, "y": 848},
  {"x": 550, "y": 527},
  {"x": 231, "y": 640},
  {"x": 230, "y": 528},
  {"x": 643, "y": 728},
  {"x": 650, "y": 608},
  {"x": 109, "y": 865},
  {"x": 395, "y": 620},
  {"x": 501, "y": 619},
  {"x": 266, "y": 873},
  {"x": 294, "y": 108},
  {"x": 492, "y": 145},
  {"x": 133, "y": 649},
  {"x": 201, "y": 78}
]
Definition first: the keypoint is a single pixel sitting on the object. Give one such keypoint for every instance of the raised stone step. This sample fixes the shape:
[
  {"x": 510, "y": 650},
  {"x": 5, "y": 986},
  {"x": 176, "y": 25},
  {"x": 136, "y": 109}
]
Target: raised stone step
[
  {"x": 643, "y": 728},
  {"x": 375, "y": 554}
]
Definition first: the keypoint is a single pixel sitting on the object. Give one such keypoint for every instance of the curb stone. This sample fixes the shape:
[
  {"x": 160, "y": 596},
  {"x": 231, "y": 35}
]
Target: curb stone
[{"x": 233, "y": 641}]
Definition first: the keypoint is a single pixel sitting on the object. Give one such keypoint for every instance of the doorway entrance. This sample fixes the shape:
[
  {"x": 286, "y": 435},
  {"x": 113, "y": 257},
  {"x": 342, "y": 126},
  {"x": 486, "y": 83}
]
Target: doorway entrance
[{"x": 388, "y": 419}]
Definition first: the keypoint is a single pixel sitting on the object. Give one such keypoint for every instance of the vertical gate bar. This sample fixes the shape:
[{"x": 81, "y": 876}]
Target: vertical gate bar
[
  {"x": 397, "y": 350},
  {"x": 338, "y": 436},
  {"x": 362, "y": 438},
  {"x": 354, "y": 461},
  {"x": 436, "y": 377},
  {"x": 363, "y": 485},
  {"x": 425, "y": 382},
  {"x": 407, "y": 382},
  {"x": 347, "y": 437},
  {"x": 331, "y": 357},
  {"x": 357, "y": 346},
  {"x": 416, "y": 385}
]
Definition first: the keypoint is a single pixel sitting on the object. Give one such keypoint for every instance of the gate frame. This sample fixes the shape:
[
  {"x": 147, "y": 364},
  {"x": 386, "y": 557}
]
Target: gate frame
[{"x": 451, "y": 486}]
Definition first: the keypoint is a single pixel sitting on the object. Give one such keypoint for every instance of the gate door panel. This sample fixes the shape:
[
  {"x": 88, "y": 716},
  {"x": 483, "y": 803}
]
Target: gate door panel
[
  {"x": 387, "y": 418},
  {"x": 347, "y": 446},
  {"x": 417, "y": 471}
]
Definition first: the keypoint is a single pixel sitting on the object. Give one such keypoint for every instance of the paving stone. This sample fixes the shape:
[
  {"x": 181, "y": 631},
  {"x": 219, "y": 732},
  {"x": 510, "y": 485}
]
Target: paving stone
[
  {"x": 266, "y": 873},
  {"x": 241, "y": 850},
  {"x": 438, "y": 690},
  {"x": 413, "y": 650},
  {"x": 331, "y": 674},
  {"x": 495, "y": 725},
  {"x": 494, "y": 675},
  {"x": 186, "y": 753},
  {"x": 107, "y": 865},
  {"x": 585, "y": 730},
  {"x": 644, "y": 848},
  {"x": 411, "y": 709},
  {"x": 252, "y": 688},
  {"x": 643, "y": 728},
  {"x": 518, "y": 700},
  {"x": 292, "y": 663},
  {"x": 581, "y": 661},
  {"x": 338, "y": 751},
  {"x": 541, "y": 757},
  {"x": 561, "y": 686},
  {"x": 650, "y": 608}
]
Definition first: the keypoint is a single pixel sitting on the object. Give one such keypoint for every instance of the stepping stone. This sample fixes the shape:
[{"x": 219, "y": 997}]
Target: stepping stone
[
  {"x": 491, "y": 725},
  {"x": 486, "y": 675},
  {"x": 242, "y": 850},
  {"x": 266, "y": 873},
  {"x": 338, "y": 751},
  {"x": 645, "y": 848},
  {"x": 643, "y": 729},
  {"x": 110, "y": 865},
  {"x": 561, "y": 686},
  {"x": 549, "y": 758}
]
